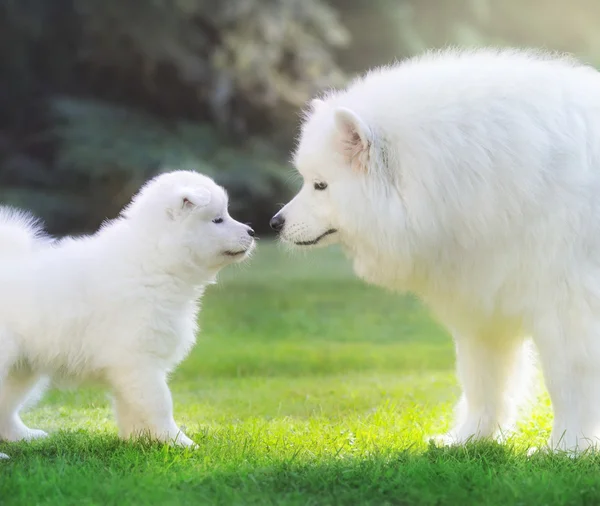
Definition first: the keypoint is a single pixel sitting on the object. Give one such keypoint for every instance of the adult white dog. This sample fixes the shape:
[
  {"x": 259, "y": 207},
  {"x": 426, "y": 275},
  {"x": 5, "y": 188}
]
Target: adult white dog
[
  {"x": 117, "y": 307},
  {"x": 472, "y": 178}
]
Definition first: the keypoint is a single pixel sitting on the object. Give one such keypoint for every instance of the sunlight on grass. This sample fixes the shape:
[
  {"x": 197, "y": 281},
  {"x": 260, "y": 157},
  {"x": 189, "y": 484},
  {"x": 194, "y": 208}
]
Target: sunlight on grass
[{"x": 305, "y": 387}]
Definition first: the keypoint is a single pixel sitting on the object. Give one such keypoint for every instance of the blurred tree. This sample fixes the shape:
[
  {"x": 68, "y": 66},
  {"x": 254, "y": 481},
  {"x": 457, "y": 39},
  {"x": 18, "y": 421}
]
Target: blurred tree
[
  {"x": 384, "y": 30},
  {"x": 102, "y": 95}
]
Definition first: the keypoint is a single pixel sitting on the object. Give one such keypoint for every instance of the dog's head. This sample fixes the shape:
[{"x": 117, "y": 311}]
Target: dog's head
[
  {"x": 187, "y": 212},
  {"x": 341, "y": 161}
]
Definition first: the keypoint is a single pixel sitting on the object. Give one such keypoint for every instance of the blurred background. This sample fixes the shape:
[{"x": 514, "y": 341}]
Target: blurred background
[
  {"x": 306, "y": 386},
  {"x": 97, "y": 96}
]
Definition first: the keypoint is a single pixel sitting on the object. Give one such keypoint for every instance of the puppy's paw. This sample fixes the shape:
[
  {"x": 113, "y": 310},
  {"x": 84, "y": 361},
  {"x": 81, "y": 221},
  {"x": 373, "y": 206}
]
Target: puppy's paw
[
  {"x": 35, "y": 434},
  {"x": 3, "y": 456},
  {"x": 22, "y": 434}
]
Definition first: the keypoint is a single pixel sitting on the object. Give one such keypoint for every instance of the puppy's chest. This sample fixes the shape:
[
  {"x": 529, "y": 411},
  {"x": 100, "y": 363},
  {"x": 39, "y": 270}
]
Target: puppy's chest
[{"x": 171, "y": 334}]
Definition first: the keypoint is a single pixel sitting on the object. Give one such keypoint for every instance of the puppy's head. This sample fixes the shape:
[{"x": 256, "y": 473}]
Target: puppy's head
[
  {"x": 188, "y": 213},
  {"x": 338, "y": 157}
]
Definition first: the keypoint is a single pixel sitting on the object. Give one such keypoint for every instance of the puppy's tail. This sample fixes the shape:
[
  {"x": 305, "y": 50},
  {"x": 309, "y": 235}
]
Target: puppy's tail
[{"x": 20, "y": 233}]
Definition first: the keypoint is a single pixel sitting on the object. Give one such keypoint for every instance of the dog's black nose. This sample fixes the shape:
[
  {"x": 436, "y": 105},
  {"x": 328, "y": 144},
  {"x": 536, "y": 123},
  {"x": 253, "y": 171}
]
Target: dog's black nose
[
  {"x": 277, "y": 222},
  {"x": 250, "y": 232}
]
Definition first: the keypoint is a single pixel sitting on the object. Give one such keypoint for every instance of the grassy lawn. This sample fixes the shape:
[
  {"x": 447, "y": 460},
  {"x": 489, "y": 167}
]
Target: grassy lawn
[{"x": 305, "y": 387}]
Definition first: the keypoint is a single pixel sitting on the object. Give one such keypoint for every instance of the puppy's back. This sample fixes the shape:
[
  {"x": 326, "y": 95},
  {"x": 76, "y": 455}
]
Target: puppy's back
[{"x": 20, "y": 233}]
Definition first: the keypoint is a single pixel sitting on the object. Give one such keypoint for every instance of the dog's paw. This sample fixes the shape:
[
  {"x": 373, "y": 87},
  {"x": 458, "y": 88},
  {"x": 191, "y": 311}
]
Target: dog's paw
[
  {"x": 569, "y": 451},
  {"x": 3, "y": 456},
  {"x": 183, "y": 441},
  {"x": 452, "y": 439},
  {"x": 535, "y": 451},
  {"x": 538, "y": 450},
  {"x": 443, "y": 440}
]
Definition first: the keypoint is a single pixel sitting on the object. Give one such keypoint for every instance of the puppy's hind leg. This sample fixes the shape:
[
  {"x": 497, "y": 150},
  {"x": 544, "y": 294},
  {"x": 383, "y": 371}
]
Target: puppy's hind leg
[
  {"x": 17, "y": 383},
  {"x": 143, "y": 406},
  {"x": 16, "y": 390},
  {"x": 8, "y": 355}
]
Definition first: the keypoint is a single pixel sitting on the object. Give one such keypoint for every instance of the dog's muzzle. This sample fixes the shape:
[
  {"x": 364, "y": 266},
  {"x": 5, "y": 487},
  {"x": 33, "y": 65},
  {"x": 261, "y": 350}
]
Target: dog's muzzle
[
  {"x": 314, "y": 241},
  {"x": 277, "y": 222}
]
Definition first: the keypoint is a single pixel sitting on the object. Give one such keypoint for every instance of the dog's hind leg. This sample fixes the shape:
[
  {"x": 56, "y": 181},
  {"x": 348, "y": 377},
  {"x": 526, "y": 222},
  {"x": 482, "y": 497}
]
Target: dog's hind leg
[
  {"x": 143, "y": 406},
  {"x": 569, "y": 350}
]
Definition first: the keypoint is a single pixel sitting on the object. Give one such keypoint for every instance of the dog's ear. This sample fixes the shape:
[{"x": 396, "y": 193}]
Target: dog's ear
[
  {"x": 312, "y": 107},
  {"x": 355, "y": 137}
]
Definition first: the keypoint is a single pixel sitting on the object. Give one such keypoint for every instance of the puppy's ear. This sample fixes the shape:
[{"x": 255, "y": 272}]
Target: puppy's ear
[
  {"x": 195, "y": 198},
  {"x": 315, "y": 104},
  {"x": 189, "y": 199},
  {"x": 355, "y": 137}
]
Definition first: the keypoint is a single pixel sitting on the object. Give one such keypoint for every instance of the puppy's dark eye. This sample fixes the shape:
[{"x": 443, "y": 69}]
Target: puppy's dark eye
[
  {"x": 320, "y": 186},
  {"x": 217, "y": 220}
]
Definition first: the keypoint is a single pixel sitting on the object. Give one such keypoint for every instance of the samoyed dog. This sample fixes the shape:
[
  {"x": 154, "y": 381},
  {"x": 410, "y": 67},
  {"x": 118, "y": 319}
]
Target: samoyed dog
[
  {"x": 118, "y": 307},
  {"x": 472, "y": 178}
]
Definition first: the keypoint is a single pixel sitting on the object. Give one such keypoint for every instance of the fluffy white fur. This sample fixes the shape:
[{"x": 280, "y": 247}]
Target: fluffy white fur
[
  {"x": 472, "y": 178},
  {"x": 117, "y": 307}
]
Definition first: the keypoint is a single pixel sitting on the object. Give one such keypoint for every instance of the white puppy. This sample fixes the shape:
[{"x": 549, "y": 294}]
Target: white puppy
[
  {"x": 472, "y": 178},
  {"x": 117, "y": 307}
]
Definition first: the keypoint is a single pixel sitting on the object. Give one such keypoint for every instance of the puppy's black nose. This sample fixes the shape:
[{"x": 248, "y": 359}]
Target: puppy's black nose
[
  {"x": 277, "y": 222},
  {"x": 250, "y": 232}
]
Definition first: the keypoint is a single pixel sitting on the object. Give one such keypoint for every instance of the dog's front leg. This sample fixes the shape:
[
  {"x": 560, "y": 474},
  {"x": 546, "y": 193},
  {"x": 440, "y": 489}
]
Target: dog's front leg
[
  {"x": 494, "y": 372},
  {"x": 143, "y": 406}
]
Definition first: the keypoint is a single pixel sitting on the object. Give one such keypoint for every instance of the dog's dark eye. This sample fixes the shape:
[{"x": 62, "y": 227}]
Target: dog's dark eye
[
  {"x": 320, "y": 186},
  {"x": 218, "y": 220}
]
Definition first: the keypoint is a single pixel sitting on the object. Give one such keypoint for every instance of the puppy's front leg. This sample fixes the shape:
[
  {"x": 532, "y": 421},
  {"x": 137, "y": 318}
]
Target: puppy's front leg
[{"x": 143, "y": 406}]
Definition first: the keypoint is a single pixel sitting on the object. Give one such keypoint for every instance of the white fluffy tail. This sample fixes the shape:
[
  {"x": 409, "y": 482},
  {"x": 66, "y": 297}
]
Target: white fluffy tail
[{"x": 20, "y": 233}]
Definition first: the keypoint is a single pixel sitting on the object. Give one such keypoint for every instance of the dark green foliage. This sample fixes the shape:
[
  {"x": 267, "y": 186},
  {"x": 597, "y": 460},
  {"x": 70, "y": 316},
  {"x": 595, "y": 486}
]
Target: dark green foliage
[{"x": 102, "y": 95}]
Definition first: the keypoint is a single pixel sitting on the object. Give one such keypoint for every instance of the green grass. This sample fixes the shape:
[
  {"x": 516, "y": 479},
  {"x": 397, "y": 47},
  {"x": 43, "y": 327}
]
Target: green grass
[{"x": 306, "y": 387}]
